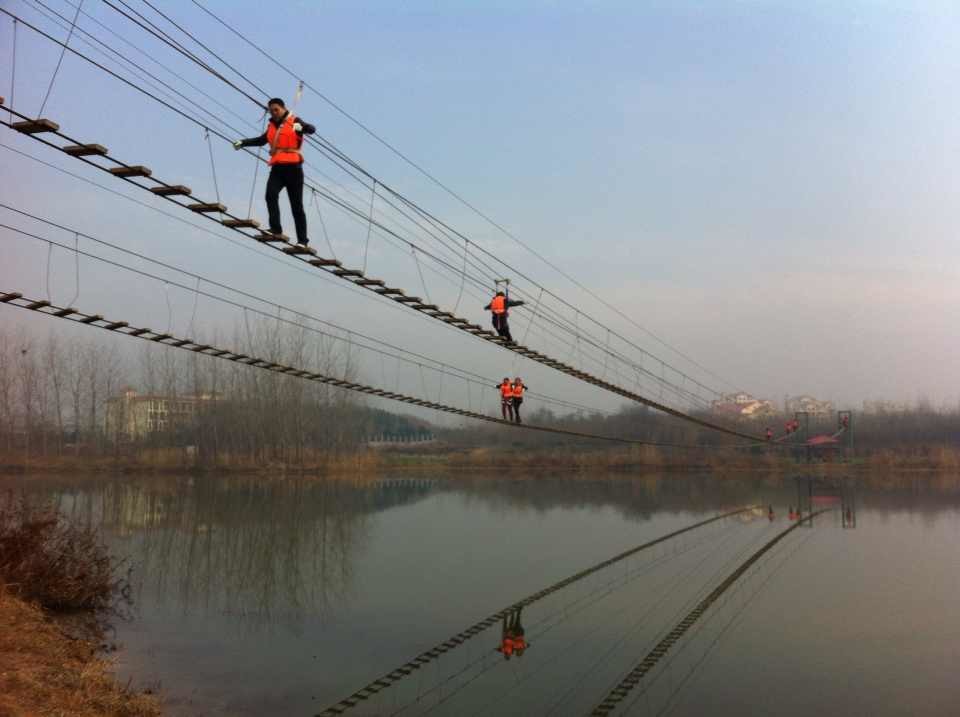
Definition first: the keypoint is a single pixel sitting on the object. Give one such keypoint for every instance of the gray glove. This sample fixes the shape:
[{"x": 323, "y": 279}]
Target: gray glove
[{"x": 238, "y": 144}]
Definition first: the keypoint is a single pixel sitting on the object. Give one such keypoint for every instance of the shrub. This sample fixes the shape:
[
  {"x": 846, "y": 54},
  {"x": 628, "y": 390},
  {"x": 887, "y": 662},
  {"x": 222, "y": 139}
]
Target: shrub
[{"x": 47, "y": 559}]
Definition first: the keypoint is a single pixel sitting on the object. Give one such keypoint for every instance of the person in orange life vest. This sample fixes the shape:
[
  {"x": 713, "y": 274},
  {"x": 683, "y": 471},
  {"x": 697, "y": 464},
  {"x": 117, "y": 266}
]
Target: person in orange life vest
[
  {"x": 517, "y": 392},
  {"x": 500, "y": 306},
  {"x": 506, "y": 399},
  {"x": 285, "y": 136},
  {"x": 506, "y": 637}
]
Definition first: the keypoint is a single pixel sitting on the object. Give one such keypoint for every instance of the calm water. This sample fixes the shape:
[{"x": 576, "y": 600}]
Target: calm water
[{"x": 281, "y": 597}]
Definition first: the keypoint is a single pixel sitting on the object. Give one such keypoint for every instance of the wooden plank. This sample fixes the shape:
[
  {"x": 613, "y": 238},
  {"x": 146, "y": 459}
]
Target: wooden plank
[
  {"x": 172, "y": 190},
  {"x": 325, "y": 262},
  {"x": 85, "y": 150},
  {"x": 204, "y": 207},
  {"x": 35, "y": 126},
  {"x": 91, "y": 319},
  {"x": 408, "y": 299},
  {"x": 137, "y": 170},
  {"x": 347, "y": 272},
  {"x": 38, "y": 304},
  {"x": 388, "y": 290},
  {"x": 64, "y": 312},
  {"x": 369, "y": 282},
  {"x": 267, "y": 237},
  {"x": 241, "y": 223},
  {"x": 10, "y": 297},
  {"x": 298, "y": 249}
]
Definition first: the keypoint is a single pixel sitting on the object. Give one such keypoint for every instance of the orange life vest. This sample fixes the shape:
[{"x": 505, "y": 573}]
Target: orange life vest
[
  {"x": 498, "y": 305},
  {"x": 518, "y": 389},
  {"x": 506, "y": 389},
  {"x": 506, "y": 647},
  {"x": 284, "y": 142}
]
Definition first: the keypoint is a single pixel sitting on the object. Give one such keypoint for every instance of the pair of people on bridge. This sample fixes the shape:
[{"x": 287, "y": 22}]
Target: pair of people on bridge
[
  {"x": 513, "y": 639},
  {"x": 511, "y": 398}
]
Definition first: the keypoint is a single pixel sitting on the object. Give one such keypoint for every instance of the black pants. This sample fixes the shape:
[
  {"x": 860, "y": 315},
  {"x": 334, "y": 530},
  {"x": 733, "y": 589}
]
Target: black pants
[
  {"x": 516, "y": 409},
  {"x": 506, "y": 408},
  {"x": 501, "y": 326},
  {"x": 289, "y": 177}
]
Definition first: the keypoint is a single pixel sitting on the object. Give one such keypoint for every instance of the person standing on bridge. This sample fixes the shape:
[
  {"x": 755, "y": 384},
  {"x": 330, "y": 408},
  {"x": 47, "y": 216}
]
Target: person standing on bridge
[
  {"x": 517, "y": 390},
  {"x": 284, "y": 134},
  {"x": 500, "y": 306},
  {"x": 506, "y": 399}
]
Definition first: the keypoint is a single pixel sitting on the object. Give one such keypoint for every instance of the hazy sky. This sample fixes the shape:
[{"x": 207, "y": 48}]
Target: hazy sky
[{"x": 767, "y": 185}]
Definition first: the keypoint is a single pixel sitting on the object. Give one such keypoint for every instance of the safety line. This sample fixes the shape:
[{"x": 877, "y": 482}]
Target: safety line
[
  {"x": 33, "y": 128},
  {"x": 394, "y": 676},
  {"x": 632, "y": 679}
]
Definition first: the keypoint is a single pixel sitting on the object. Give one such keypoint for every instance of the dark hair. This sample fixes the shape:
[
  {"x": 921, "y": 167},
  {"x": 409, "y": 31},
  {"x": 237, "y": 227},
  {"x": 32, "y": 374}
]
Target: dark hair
[{"x": 276, "y": 101}]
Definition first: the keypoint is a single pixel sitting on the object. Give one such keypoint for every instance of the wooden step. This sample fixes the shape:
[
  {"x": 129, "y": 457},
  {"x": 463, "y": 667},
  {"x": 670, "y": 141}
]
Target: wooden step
[
  {"x": 10, "y": 297},
  {"x": 347, "y": 272},
  {"x": 35, "y": 126},
  {"x": 409, "y": 299},
  {"x": 137, "y": 170},
  {"x": 424, "y": 307},
  {"x": 172, "y": 190},
  {"x": 325, "y": 262},
  {"x": 369, "y": 282},
  {"x": 267, "y": 237},
  {"x": 85, "y": 150},
  {"x": 299, "y": 249},
  {"x": 241, "y": 223},
  {"x": 388, "y": 290},
  {"x": 204, "y": 207}
]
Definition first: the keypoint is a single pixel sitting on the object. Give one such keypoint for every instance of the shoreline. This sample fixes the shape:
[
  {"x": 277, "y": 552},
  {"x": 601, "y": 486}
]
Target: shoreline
[{"x": 47, "y": 670}]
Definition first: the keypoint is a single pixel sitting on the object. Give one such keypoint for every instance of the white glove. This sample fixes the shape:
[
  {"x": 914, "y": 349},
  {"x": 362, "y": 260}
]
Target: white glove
[
  {"x": 298, "y": 128},
  {"x": 238, "y": 144}
]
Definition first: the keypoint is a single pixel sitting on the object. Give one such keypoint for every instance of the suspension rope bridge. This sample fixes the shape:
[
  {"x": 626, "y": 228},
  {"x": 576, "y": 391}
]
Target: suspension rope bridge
[
  {"x": 129, "y": 173},
  {"x": 358, "y": 211},
  {"x": 167, "y": 338}
]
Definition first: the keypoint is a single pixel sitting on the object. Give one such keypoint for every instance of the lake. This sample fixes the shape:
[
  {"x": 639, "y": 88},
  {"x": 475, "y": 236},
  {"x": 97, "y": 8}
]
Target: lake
[{"x": 283, "y": 596}]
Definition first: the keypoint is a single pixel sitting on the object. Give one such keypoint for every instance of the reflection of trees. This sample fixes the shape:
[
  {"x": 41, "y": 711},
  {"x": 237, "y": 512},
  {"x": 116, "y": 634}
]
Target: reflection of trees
[
  {"x": 641, "y": 497},
  {"x": 270, "y": 551}
]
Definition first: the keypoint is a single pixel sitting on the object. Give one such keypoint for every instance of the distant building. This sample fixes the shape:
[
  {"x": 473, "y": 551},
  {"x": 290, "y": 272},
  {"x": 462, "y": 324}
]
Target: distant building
[
  {"x": 743, "y": 405},
  {"x": 133, "y": 416},
  {"x": 809, "y": 404}
]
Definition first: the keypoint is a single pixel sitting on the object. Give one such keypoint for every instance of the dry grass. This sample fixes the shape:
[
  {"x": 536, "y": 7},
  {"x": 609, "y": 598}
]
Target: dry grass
[
  {"x": 44, "y": 672},
  {"x": 46, "y": 559}
]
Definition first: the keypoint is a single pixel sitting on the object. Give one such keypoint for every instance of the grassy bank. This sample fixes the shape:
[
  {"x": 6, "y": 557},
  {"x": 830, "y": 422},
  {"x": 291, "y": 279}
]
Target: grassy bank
[
  {"x": 500, "y": 458},
  {"x": 44, "y": 671},
  {"x": 51, "y": 569}
]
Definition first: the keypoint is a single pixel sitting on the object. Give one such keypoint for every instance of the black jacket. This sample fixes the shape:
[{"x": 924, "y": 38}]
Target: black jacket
[{"x": 262, "y": 139}]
